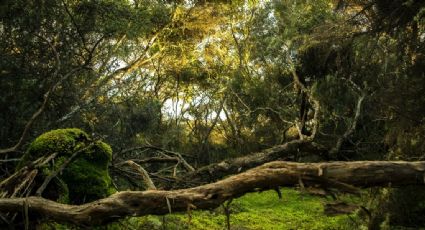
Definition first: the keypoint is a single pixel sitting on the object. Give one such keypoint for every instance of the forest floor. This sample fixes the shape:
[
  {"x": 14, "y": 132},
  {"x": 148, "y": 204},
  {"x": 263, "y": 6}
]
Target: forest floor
[{"x": 255, "y": 211}]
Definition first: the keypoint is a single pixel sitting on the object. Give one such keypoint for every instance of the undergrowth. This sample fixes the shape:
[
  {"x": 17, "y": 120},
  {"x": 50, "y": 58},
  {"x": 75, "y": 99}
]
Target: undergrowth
[{"x": 296, "y": 210}]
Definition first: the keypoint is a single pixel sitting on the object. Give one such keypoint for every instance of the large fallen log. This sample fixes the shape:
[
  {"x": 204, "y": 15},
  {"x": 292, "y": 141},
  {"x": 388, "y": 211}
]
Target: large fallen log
[
  {"x": 210, "y": 173},
  {"x": 270, "y": 175}
]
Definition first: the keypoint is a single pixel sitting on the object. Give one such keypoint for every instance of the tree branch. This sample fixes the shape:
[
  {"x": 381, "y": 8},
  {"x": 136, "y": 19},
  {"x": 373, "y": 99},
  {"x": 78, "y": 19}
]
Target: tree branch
[
  {"x": 217, "y": 171},
  {"x": 187, "y": 166},
  {"x": 11, "y": 186},
  {"x": 315, "y": 103},
  {"x": 159, "y": 202},
  {"x": 142, "y": 172},
  {"x": 351, "y": 129},
  {"x": 154, "y": 160}
]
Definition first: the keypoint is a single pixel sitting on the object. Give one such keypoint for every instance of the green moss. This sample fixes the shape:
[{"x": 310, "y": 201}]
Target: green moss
[
  {"x": 91, "y": 180},
  {"x": 100, "y": 154},
  {"x": 83, "y": 180},
  {"x": 63, "y": 141}
]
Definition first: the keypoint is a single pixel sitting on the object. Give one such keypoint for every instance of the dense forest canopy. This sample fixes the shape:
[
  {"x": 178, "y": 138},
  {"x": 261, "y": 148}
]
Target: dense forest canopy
[{"x": 189, "y": 92}]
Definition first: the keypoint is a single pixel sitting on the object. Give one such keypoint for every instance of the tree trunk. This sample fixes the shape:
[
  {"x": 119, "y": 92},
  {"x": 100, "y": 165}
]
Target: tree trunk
[
  {"x": 216, "y": 171},
  {"x": 341, "y": 175}
]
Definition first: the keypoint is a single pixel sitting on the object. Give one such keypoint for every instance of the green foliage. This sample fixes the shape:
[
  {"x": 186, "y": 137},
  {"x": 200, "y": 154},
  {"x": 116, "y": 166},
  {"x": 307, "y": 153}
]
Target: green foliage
[
  {"x": 86, "y": 178},
  {"x": 79, "y": 42},
  {"x": 302, "y": 17},
  {"x": 117, "y": 18}
]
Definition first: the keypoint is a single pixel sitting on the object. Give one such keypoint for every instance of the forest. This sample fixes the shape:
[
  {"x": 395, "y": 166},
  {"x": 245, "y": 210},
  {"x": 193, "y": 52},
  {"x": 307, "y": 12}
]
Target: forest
[{"x": 196, "y": 114}]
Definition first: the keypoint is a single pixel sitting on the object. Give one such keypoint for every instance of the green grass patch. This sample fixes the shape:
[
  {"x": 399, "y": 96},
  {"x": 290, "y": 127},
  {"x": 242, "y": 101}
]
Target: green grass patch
[{"x": 263, "y": 210}]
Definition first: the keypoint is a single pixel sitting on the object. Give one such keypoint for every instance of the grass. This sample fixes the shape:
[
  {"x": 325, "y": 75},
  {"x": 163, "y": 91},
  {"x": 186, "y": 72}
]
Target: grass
[{"x": 255, "y": 211}]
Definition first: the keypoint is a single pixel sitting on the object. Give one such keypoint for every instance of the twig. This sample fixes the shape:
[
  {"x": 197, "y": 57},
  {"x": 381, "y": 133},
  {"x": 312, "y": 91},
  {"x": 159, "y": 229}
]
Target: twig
[
  {"x": 10, "y": 160},
  {"x": 227, "y": 212},
  {"x": 6, "y": 221},
  {"x": 179, "y": 155},
  {"x": 25, "y": 184},
  {"x": 27, "y": 218},
  {"x": 22, "y": 178},
  {"x": 155, "y": 160},
  {"x": 175, "y": 169}
]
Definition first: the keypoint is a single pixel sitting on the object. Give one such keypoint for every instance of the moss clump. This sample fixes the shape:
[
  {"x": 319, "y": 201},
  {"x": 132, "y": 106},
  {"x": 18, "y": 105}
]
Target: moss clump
[{"x": 86, "y": 178}]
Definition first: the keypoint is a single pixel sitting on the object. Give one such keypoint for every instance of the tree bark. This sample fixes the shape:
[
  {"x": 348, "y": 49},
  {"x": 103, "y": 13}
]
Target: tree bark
[
  {"x": 216, "y": 171},
  {"x": 270, "y": 175}
]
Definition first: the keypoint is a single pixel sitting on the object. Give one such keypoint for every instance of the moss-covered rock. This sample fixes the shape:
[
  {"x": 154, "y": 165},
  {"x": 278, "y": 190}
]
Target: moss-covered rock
[{"x": 86, "y": 178}]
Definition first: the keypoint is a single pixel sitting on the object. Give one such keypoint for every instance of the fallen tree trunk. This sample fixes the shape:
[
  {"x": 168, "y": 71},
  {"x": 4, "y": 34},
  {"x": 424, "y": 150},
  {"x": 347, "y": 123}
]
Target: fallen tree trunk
[
  {"x": 216, "y": 171},
  {"x": 270, "y": 175}
]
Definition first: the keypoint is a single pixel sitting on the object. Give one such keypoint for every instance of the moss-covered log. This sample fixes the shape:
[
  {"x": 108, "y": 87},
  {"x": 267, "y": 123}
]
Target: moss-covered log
[{"x": 278, "y": 173}]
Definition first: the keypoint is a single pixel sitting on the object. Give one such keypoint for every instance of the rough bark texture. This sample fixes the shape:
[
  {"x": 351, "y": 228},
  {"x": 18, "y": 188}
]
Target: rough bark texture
[
  {"x": 270, "y": 175},
  {"x": 213, "y": 172}
]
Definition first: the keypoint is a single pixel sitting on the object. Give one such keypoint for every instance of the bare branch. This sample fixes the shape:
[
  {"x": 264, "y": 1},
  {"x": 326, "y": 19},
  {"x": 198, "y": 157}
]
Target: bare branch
[
  {"x": 22, "y": 178},
  {"x": 179, "y": 155},
  {"x": 143, "y": 173},
  {"x": 351, "y": 129},
  {"x": 10, "y": 160},
  {"x": 154, "y": 160}
]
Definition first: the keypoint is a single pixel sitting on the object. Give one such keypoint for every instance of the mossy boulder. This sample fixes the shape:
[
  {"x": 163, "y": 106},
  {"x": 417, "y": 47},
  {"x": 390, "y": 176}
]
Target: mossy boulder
[{"x": 86, "y": 178}]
